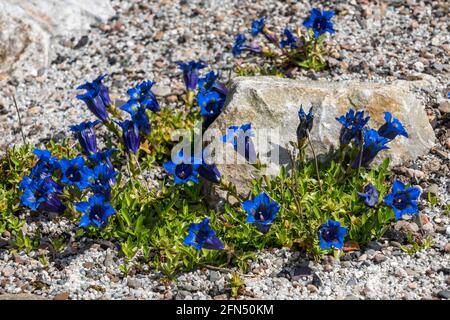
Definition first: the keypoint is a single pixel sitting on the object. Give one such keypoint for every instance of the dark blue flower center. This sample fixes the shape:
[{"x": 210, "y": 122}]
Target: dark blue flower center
[
  {"x": 261, "y": 213},
  {"x": 96, "y": 212},
  {"x": 211, "y": 106},
  {"x": 330, "y": 234},
  {"x": 73, "y": 174},
  {"x": 320, "y": 23},
  {"x": 201, "y": 235},
  {"x": 183, "y": 171},
  {"x": 401, "y": 200}
]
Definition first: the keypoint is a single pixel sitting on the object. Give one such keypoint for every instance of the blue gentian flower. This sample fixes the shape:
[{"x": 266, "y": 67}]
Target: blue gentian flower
[
  {"x": 392, "y": 127},
  {"x": 45, "y": 165},
  {"x": 141, "y": 95},
  {"x": 130, "y": 135},
  {"x": 190, "y": 73},
  {"x": 41, "y": 195},
  {"x": 103, "y": 177},
  {"x": 26, "y": 182},
  {"x": 97, "y": 84},
  {"x": 75, "y": 172},
  {"x": 207, "y": 169},
  {"x": 305, "y": 125},
  {"x": 209, "y": 172},
  {"x": 31, "y": 181},
  {"x": 103, "y": 157},
  {"x": 261, "y": 211},
  {"x": 370, "y": 195},
  {"x": 291, "y": 41},
  {"x": 239, "y": 137},
  {"x": 258, "y": 26},
  {"x": 331, "y": 235},
  {"x": 403, "y": 200},
  {"x": 210, "y": 97},
  {"x": 183, "y": 172},
  {"x": 373, "y": 143},
  {"x": 201, "y": 235},
  {"x": 320, "y": 22},
  {"x": 45, "y": 156},
  {"x": 352, "y": 126},
  {"x": 239, "y": 46},
  {"x": 211, "y": 104},
  {"x": 86, "y": 135},
  {"x": 138, "y": 116},
  {"x": 96, "y": 98},
  {"x": 209, "y": 83},
  {"x": 96, "y": 211}
]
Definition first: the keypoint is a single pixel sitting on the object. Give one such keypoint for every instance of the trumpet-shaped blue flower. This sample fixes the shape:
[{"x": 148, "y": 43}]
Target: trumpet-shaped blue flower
[
  {"x": 392, "y": 127},
  {"x": 31, "y": 181},
  {"x": 209, "y": 172},
  {"x": 190, "y": 73},
  {"x": 74, "y": 172},
  {"x": 207, "y": 169},
  {"x": 240, "y": 138},
  {"x": 86, "y": 135},
  {"x": 45, "y": 166},
  {"x": 96, "y": 211},
  {"x": 41, "y": 195},
  {"x": 102, "y": 178},
  {"x": 103, "y": 157},
  {"x": 261, "y": 211},
  {"x": 305, "y": 125},
  {"x": 142, "y": 95},
  {"x": 183, "y": 172},
  {"x": 320, "y": 22},
  {"x": 352, "y": 126},
  {"x": 239, "y": 45},
  {"x": 201, "y": 235},
  {"x": 138, "y": 116},
  {"x": 209, "y": 83},
  {"x": 211, "y": 104},
  {"x": 258, "y": 26},
  {"x": 370, "y": 195},
  {"x": 96, "y": 98},
  {"x": 130, "y": 135},
  {"x": 373, "y": 143},
  {"x": 331, "y": 235},
  {"x": 403, "y": 200},
  {"x": 97, "y": 84},
  {"x": 291, "y": 41}
]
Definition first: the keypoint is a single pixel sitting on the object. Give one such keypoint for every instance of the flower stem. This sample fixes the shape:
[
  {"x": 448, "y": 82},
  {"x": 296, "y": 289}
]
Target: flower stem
[
  {"x": 315, "y": 161},
  {"x": 111, "y": 127},
  {"x": 294, "y": 184}
]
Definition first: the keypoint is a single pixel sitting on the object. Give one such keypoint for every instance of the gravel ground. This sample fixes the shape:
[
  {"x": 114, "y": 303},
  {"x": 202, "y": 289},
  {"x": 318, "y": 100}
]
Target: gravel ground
[{"x": 374, "y": 41}]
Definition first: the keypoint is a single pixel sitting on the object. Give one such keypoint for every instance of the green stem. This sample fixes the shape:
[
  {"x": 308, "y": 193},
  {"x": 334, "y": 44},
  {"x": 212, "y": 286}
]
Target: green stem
[
  {"x": 111, "y": 127},
  {"x": 315, "y": 161}
]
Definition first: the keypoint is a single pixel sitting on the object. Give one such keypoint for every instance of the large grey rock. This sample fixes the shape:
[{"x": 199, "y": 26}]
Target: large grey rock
[
  {"x": 272, "y": 103},
  {"x": 27, "y": 27}
]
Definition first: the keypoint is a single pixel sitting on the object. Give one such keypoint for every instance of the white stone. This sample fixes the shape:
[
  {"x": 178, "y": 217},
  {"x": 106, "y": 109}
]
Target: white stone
[{"x": 28, "y": 26}]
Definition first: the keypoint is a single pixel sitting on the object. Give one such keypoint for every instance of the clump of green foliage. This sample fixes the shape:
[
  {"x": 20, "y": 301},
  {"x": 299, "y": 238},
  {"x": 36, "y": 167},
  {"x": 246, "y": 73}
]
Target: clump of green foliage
[{"x": 279, "y": 55}]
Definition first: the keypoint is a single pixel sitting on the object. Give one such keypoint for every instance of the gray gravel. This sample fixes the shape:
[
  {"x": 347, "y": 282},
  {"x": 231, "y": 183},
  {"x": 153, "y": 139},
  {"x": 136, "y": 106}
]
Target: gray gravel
[{"x": 373, "y": 42}]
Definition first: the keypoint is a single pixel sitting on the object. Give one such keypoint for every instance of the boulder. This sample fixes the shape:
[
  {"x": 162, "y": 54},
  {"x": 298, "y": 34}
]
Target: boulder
[
  {"x": 271, "y": 105},
  {"x": 27, "y": 27}
]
